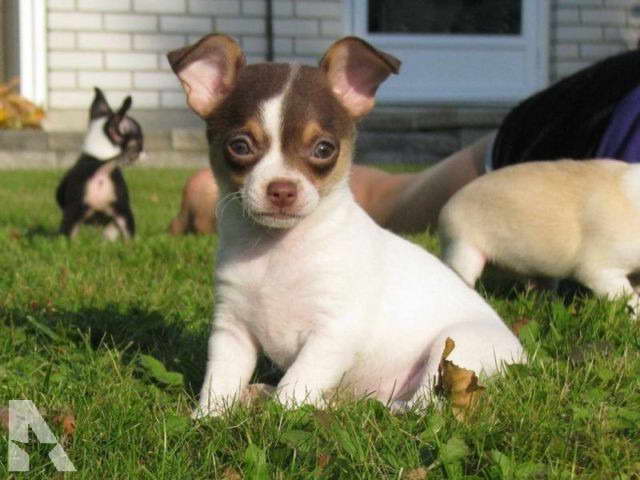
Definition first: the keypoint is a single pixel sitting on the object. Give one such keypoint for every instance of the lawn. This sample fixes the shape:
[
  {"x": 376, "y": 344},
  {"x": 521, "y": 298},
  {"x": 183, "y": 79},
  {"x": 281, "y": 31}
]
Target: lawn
[{"x": 114, "y": 337}]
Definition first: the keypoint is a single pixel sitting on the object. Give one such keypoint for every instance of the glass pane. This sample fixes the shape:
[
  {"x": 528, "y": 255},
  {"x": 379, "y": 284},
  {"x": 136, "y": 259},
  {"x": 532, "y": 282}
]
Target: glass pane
[{"x": 469, "y": 17}]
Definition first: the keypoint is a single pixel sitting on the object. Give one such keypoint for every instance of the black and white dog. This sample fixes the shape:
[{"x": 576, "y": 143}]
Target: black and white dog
[{"x": 94, "y": 190}]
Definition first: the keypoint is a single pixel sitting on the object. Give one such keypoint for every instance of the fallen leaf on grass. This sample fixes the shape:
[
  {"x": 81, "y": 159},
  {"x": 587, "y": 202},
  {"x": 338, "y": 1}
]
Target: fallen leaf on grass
[
  {"x": 68, "y": 423},
  {"x": 322, "y": 461},
  {"x": 519, "y": 324},
  {"x": 458, "y": 384},
  {"x": 230, "y": 473},
  {"x": 419, "y": 473}
]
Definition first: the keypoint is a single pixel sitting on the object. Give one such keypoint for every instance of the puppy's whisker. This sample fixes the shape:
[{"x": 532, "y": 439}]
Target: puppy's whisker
[{"x": 225, "y": 202}]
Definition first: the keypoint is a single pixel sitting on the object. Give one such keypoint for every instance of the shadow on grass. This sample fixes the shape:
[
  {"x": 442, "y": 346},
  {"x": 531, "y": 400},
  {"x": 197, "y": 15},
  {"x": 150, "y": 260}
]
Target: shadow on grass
[{"x": 133, "y": 331}]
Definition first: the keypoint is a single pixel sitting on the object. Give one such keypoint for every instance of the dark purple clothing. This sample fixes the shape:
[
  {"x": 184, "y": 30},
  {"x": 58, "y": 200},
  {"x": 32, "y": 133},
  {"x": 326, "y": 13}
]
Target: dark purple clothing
[{"x": 621, "y": 140}]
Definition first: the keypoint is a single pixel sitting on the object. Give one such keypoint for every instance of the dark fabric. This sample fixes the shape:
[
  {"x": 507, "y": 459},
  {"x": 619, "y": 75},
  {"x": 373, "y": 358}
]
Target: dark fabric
[
  {"x": 621, "y": 140},
  {"x": 569, "y": 118}
]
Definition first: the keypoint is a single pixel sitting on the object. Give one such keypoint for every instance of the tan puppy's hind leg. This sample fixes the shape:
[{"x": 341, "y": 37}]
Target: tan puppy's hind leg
[
  {"x": 610, "y": 283},
  {"x": 465, "y": 259}
]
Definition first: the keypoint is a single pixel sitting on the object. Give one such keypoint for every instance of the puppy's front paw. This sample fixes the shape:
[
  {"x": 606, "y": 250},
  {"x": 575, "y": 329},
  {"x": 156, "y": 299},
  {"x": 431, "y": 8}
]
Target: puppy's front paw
[{"x": 203, "y": 412}]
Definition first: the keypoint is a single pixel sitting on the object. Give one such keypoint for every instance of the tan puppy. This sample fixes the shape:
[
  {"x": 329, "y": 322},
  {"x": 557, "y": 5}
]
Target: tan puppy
[
  {"x": 560, "y": 219},
  {"x": 198, "y": 208},
  {"x": 373, "y": 189}
]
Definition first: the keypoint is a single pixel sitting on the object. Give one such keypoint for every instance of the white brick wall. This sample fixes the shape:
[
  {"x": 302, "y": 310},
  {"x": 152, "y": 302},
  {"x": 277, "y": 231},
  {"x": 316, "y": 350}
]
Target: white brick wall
[
  {"x": 120, "y": 45},
  {"x": 585, "y": 31}
]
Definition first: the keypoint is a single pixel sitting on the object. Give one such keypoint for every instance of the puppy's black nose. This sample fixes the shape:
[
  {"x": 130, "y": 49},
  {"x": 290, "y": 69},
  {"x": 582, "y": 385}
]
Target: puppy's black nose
[{"x": 282, "y": 193}]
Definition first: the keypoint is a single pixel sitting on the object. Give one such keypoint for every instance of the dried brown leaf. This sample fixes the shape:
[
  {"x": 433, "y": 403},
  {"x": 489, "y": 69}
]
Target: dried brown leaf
[
  {"x": 458, "y": 384},
  {"x": 68, "y": 423},
  {"x": 322, "y": 461},
  {"x": 419, "y": 473},
  {"x": 230, "y": 473},
  {"x": 519, "y": 325}
]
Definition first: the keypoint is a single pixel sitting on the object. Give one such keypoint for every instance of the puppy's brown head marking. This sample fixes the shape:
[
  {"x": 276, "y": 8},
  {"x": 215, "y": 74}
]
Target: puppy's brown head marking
[{"x": 269, "y": 121}]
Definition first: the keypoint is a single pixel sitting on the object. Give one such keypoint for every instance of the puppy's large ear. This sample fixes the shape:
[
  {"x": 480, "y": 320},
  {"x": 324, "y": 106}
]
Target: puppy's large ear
[
  {"x": 126, "y": 105},
  {"x": 207, "y": 70},
  {"x": 99, "y": 106},
  {"x": 355, "y": 70}
]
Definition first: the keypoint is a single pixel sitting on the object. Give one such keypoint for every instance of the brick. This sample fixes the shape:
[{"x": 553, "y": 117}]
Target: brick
[
  {"x": 105, "y": 5},
  {"x": 239, "y": 26},
  {"x": 60, "y": 5},
  {"x": 296, "y": 28},
  {"x": 580, "y": 2},
  {"x": 105, "y": 80},
  {"x": 104, "y": 41},
  {"x": 131, "y": 61},
  {"x": 565, "y": 68},
  {"x": 313, "y": 61},
  {"x": 602, "y": 16},
  {"x": 254, "y": 44},
  {"x": 156, "y": 80},
  {"x": 75, "y": 60},
  {"x": 61, "y": 40},
  {"x": 578, "y": 33},
  {"x": 163, "y": 6},
  {"x": 311, "y": 46},
  {"x": 161, "y": 43},
  {"x": 283, "y": 46},
  {"x": 175, "y": 23},
  {"x": 597, "y": 51},
  {"x": 566, "y": 15},
  {"x": 566, "y": 50},
  {"x": 62, "y": 79},
  {"x": 322, "y": 9},
  {"x": 283, "y": 8},
  {"x": 131, "y": 23},
  {"x": 74, "y": 21},
  {"x": 622, "y": 34},
  {"x": 173, "y": 100},
  {"x": 164, "y": 62},
  {"x": 254, "y": 7},
  {"x": 141, "y": 99},
  {"x": 215, "y": 7},
  {"x": 70, "y": 99},
  {"x": 332, "y": 28}
]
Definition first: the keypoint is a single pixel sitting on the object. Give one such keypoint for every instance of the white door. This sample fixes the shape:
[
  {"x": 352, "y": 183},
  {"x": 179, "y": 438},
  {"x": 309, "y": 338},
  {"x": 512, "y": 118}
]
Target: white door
[{"x": 457, "y": 51}]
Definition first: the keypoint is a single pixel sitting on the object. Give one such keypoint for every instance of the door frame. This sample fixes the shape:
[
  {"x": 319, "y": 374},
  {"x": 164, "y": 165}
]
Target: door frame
[{"x": 32, "y": 38}]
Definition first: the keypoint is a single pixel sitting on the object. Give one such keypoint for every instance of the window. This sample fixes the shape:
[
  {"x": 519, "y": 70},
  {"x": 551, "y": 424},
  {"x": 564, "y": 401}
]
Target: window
[{"x": 457, "y": 51}]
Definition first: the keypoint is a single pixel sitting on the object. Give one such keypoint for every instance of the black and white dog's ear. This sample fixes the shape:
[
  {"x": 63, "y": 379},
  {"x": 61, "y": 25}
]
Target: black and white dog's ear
[
  {"x": 99, "y": 106},
  {"x": 126, "y": 105}
]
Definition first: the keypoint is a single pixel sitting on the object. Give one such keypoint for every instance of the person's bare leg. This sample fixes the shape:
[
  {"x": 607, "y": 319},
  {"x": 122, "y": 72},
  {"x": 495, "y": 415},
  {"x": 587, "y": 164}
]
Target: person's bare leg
[{"x": 412, "y": 203}]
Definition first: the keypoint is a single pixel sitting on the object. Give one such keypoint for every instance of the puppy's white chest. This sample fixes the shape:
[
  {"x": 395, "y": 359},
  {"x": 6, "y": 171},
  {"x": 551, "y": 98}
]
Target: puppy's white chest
[
  {"x": 278, "y": 302},
  {"x": 100, "y": 193}
]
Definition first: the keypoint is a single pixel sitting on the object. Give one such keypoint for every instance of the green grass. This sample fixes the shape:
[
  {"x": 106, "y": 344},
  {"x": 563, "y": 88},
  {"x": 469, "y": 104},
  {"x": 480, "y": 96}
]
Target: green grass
[{"x": 79, "y": 322}]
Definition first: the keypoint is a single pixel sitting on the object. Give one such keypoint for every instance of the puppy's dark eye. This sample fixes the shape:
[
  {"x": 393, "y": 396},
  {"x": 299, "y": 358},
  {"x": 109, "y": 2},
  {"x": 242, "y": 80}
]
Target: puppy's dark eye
[
  {"x": 323, "y": 150},
  {"x": 240, "y": 146}
]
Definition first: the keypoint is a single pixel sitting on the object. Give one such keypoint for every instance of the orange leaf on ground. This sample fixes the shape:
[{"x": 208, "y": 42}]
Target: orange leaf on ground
[
  {"x": 518, "y": 325},
  {"x": 458, "y": 384}
]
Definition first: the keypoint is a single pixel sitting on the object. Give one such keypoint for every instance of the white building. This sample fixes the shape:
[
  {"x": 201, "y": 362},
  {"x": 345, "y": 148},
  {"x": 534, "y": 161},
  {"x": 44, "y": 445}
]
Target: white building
[{"x": 457, "y": 55}]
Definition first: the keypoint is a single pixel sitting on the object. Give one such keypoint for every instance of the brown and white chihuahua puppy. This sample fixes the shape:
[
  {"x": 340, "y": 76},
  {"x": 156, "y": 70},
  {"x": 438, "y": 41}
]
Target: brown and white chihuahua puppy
[
  {"x": 554, "y": 219},
  {"x": 94, "y": 190},
  {"x": 303, "y": 274}
]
